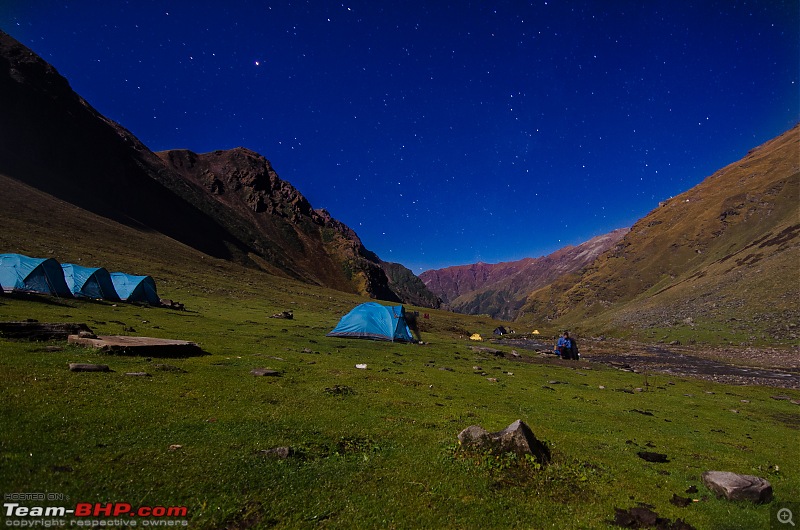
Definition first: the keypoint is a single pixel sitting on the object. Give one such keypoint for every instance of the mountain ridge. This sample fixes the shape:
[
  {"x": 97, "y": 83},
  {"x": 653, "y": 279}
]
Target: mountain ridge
[{"x": 56, "y": 142}]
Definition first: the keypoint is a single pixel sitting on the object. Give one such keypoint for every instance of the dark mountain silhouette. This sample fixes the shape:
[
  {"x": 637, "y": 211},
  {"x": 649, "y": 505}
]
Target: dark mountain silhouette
[
  {"x": 501, "y": 289},
  {"x": 226, "y": 204}
]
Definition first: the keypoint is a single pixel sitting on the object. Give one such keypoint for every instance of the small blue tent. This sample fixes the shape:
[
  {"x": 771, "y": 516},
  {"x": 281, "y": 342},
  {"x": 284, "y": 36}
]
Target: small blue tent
[
  {"x": 90, "y": 282},
  {"x": 37, "y": 275},
  {"x": 135, "y": 288},
  {"x": 374, "y": 321}
]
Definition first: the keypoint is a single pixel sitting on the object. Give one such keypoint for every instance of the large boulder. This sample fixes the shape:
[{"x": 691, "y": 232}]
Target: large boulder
[
  {"x": 516, "y": 438},
  {"x": 735, "y": 487}
]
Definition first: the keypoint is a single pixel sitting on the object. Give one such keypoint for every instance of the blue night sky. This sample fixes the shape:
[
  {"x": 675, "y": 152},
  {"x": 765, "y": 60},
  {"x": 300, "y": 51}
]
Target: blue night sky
[{"x": 443, "y": 132}]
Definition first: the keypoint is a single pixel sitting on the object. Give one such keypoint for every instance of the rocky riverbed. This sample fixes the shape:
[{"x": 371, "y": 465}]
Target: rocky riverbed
[{"x": 776, "y": 367}]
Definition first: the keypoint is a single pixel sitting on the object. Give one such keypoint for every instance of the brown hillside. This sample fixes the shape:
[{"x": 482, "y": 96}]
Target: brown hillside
[{"x": 721, "y": 259}]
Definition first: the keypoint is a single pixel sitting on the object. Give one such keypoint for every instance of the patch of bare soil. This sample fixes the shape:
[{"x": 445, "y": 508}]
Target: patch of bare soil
[{"x": 775, "y": 367}]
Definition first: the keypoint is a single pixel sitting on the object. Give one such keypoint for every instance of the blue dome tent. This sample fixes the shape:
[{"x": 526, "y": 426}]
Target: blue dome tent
[
  {"x": 89, "y": 282},
  {"x": 37, "y": 275},
  {"x": 132, "y": 288},
  {"x": 374, "y": 321}
]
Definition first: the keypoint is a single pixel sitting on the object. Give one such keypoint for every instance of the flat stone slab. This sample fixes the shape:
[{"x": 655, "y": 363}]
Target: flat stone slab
[
  {"x": 86, "y": 367},
  {"x": 735, "y": 487},
  {"x": 143, "y": 346}
]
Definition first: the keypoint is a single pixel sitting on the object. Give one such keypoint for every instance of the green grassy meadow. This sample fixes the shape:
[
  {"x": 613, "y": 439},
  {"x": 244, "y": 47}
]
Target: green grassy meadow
[{"x": 372, "y": 448}]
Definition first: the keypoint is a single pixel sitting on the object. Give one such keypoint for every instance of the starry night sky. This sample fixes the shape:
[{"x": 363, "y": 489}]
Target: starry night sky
[{"x": 443, "y": 132}]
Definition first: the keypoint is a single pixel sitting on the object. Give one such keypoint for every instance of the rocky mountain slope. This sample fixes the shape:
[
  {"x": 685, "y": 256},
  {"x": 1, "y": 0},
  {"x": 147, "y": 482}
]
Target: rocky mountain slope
[
  {"x": 720, "y": 260},
  {"x": 227, "y": 204},
  {"x": 501, "y": 289}
]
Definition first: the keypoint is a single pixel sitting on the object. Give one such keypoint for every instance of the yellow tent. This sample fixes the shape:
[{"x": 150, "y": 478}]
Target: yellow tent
[
  {"x": 535, "y": 331},
  {"x": 475, "y": 336}
]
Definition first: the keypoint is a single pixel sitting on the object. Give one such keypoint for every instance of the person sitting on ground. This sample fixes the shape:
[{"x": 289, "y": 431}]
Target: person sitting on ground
[{"x": 559, "y": 349}]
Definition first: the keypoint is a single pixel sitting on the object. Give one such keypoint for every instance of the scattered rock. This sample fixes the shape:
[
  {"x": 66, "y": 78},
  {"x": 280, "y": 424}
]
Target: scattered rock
[
  {"x": 281, "y": 453},
  {"x": 265, "y": 372},
  {"x": 138, "y": 374},
  {"x": 171, "y": 304},
  {"x": 361, "y": 366},
  {"x": 735, "y": 487},
  {"x": 516, "y": 438},
  {"x": 653, "y": 457},
  {"x": 175, "y": 447},
  {"x": 86, "y": 367},
  {"x": 288, "y": 315}
]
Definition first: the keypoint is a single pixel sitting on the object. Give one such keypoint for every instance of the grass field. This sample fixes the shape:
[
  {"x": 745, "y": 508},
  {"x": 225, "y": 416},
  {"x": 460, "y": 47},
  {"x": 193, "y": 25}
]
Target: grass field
[{"x": 371, "y": 448}]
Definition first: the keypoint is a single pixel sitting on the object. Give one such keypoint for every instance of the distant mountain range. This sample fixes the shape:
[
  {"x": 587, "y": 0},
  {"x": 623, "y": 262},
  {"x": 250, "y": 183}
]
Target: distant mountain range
[
  {"x": 501, "y": 289},
  {"x": 226, "y": 204}
]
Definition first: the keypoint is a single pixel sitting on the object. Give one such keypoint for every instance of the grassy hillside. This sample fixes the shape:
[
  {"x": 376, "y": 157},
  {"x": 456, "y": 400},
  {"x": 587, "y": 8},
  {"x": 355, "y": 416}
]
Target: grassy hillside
[
  {"x": 717, "y": 263},
  {"x": 375, "y": 447},
  {"x": 371, "y": 448}
]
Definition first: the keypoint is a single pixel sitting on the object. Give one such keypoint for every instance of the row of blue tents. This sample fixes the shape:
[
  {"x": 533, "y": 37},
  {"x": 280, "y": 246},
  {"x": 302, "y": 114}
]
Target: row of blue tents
[{"x": 67, "y": 280}]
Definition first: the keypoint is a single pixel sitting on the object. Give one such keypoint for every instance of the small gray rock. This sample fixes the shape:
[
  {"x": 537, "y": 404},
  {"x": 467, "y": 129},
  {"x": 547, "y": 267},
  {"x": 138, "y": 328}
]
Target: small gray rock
[
  {"x": 281, "y": 453},
  {"x": 474, "y": 436},
  {"x": 735, "y": 487}
]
